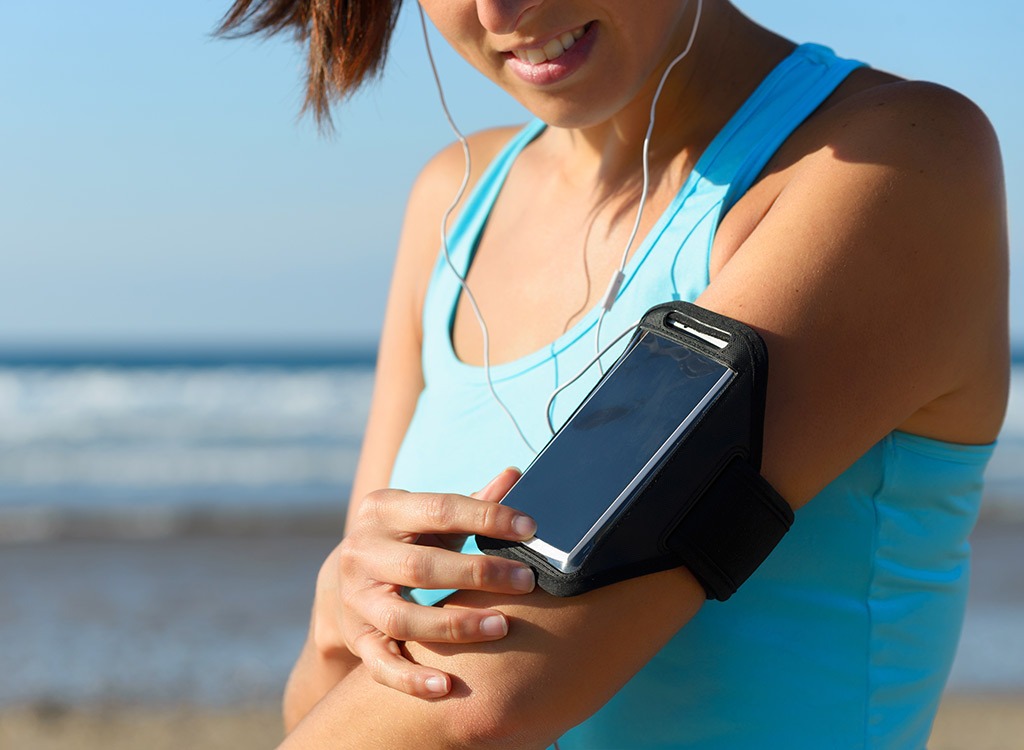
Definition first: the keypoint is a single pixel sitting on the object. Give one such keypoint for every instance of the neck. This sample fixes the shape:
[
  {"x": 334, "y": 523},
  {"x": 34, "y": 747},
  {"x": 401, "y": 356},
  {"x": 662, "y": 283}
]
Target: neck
[{"x": 729, "y": 57}]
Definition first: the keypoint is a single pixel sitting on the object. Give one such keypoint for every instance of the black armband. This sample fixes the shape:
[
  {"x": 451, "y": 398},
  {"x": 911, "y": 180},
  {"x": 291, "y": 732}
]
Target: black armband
[{"x": 659, "y": 467}]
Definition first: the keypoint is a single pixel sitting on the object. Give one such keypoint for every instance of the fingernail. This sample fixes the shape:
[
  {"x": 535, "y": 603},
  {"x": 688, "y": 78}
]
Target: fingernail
[
  {"x": 494, "y": 625},
  {"x": 437, "y": 685},
  {"x": 524, "y": 526},
  {"x": 522, "y": 579}
]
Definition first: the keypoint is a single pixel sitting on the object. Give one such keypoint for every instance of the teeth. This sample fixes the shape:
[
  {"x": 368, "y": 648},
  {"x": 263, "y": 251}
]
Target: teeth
[
  {"x": 552, "y": 50},
  {"x": 534, "y": 56}
]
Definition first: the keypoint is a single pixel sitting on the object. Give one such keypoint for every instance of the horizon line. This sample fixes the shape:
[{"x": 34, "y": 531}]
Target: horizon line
[
  {"x": 190, "y": 354},
  {"x": 214, "y": 353}
]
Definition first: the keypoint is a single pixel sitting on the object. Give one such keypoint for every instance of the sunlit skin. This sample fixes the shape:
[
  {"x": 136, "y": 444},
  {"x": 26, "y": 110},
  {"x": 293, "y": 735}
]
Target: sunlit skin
[{"x": 886, "y": 205}]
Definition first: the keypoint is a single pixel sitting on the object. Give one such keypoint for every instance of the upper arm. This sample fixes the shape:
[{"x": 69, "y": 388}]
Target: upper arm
[
  {"x": 552, "y": 671},
  {"x": 878, "y": 280}
]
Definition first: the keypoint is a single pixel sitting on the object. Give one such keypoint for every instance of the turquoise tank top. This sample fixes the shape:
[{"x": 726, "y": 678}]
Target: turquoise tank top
[{"x": 845, "y": 636}]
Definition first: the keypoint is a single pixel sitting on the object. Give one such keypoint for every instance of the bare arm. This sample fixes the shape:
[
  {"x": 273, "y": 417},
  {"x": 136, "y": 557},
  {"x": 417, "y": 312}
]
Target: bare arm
[
  {"x": 398, "y": 381},
  {"x": 324, "y": 660},
  {"x": 878, "y": 274}
]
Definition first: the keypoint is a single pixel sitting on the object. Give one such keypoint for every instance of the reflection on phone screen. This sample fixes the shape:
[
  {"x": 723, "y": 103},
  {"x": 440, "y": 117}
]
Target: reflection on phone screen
[{"x": 584, "y": 476}]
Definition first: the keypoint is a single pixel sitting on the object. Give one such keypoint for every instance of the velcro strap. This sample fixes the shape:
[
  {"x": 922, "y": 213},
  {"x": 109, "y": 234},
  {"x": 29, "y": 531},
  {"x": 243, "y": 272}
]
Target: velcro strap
[{"x": 731, "y": 529}]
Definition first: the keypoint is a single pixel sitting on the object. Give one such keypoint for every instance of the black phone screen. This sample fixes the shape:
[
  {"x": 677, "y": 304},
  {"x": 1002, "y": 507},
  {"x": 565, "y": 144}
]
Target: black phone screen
[{"x": 585, "y": 474}]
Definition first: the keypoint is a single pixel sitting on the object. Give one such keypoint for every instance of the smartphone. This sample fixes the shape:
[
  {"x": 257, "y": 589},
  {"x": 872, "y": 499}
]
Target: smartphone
[{"x": 598, "y": 462}]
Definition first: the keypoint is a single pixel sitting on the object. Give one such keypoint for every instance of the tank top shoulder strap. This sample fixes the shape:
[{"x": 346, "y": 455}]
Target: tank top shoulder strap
[
  {"x": 793, "y": 90},
  {"x": 673, "y": 260},
  {"x": 470, "y": 224},
  {"x": 463, "y": 237},
  {"x": 790, "y": 94}
]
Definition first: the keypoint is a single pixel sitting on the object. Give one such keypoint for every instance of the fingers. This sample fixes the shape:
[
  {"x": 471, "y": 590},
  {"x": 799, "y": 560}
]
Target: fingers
[
  {"x": 421, "y": 513},
  {"x": 398, "y": 620},
  {"x": 494, "y": 492},
  {"x": 420, "y": 566},
  {"x": 384, "y": 661},
  {"x": 369, "y": 567},
  {"x": 499, "y": 486},
  {"x": 405, "y": 621}
]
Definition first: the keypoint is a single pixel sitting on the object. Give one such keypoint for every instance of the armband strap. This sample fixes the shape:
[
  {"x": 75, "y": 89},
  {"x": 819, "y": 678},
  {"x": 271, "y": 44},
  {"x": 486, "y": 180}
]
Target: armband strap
[{"x": 731, "y": 529}]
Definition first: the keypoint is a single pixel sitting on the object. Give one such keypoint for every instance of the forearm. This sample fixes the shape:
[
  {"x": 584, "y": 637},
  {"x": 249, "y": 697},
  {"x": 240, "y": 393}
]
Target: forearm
[
  {"x": 312, "y": 677},
  {"x": 362, "y": 714},
  {"x": 522, "y": 691}
]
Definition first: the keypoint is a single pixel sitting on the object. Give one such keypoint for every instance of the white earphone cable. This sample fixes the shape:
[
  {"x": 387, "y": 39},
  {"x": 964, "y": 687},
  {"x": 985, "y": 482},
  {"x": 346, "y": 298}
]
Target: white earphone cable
[
  {"x": 444, "y": 236},
  {"x": 578, "y": 375},
  {"x": 619, "y": 277},
  {"x": 617, "y": 280}
]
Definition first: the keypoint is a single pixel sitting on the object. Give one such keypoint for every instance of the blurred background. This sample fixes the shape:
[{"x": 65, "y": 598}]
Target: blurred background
[{"x": 190, "y": 296}]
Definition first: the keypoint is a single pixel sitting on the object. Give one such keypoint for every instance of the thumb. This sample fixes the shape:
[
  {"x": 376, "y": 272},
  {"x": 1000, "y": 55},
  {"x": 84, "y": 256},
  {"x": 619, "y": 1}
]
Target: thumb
[{"x": 497, "y": 487}]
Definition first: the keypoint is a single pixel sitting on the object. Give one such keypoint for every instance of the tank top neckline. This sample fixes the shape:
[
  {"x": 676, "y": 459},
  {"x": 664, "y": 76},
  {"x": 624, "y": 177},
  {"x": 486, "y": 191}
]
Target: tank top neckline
[{"x": 489, "y": 186}]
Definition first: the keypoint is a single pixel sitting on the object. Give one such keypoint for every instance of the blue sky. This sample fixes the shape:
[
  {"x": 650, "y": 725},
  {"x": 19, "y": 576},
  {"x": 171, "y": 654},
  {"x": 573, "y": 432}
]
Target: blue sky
[{"x": 156, "y": 187}]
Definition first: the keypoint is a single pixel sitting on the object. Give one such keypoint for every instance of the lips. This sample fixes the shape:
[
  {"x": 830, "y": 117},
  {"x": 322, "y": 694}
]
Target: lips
[{"x": 556, "y": 59}]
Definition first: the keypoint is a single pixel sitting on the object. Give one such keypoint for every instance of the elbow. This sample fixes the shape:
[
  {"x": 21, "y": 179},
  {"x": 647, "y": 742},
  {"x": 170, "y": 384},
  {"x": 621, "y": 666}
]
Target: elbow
[
  {"x": 504, "y": 721},
  {"x": 502, "y": 733}
]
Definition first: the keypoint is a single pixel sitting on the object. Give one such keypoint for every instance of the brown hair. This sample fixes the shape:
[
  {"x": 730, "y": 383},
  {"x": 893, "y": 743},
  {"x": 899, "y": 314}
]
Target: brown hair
[{"x": 348, "y": 41}]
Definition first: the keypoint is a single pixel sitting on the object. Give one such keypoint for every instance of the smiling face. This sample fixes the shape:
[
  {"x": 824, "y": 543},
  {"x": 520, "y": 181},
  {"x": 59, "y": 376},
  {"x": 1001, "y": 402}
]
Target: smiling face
[{"x": 573, "y": 63}]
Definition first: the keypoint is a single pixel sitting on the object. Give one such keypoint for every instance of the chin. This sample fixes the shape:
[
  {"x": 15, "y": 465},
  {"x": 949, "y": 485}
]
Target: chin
[{"x": 563, "y": 111}]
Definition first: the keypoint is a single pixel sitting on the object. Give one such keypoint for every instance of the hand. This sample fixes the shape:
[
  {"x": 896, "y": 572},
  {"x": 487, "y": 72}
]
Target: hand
[{"x": 401, "y": 539}]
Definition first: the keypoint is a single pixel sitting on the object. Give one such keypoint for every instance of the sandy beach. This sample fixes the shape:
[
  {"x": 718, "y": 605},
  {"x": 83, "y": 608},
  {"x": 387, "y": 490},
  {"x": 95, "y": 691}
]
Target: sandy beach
[
  {"x": 979, "y": 722},
  {"x": 965, "y": 722}
]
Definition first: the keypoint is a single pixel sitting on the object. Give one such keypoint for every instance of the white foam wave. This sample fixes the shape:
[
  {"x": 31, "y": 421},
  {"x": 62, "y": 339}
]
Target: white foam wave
[
  {"x": 232, "y": 430},
  {"x": 1004, "y": 476},
  {"x": 92, "y": 429},
  {"x": 89, "y": 403},
  {"x": 1013, "y": 426},
  {"x": 153, "y": 467}
]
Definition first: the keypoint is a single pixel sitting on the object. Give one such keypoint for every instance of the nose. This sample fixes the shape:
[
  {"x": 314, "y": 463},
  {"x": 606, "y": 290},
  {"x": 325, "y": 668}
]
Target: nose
[{"x": 503, "y": 16}]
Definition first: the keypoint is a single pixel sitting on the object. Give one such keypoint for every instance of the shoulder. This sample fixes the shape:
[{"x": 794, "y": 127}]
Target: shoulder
[
  {"x": 908, "y": 172},
  {"x": 918, "y": 144},
  {"x": 906, "y": 126},
  {"x": 888, "y": 126},
  {"x": 918, "y": 160},
  {"x": 439, "y": 180},
  {"x": 931, "y": 141},
  {"x": 877, "y": 240},
  {"x": 432, "y": 194},
  {"x": 921, "y": 164},
  {"x": 399, "y": 377},
  {"x": 899, "y": 175}
]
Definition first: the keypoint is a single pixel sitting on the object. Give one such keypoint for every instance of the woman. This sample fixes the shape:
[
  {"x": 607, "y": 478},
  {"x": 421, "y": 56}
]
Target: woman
[{"x": 854, "y": 219}]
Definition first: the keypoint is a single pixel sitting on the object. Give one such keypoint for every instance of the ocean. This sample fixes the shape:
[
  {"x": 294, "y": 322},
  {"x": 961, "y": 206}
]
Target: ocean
[
  {"x": 127, "y": 446},
  {"x": 163, "y": 516}
]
